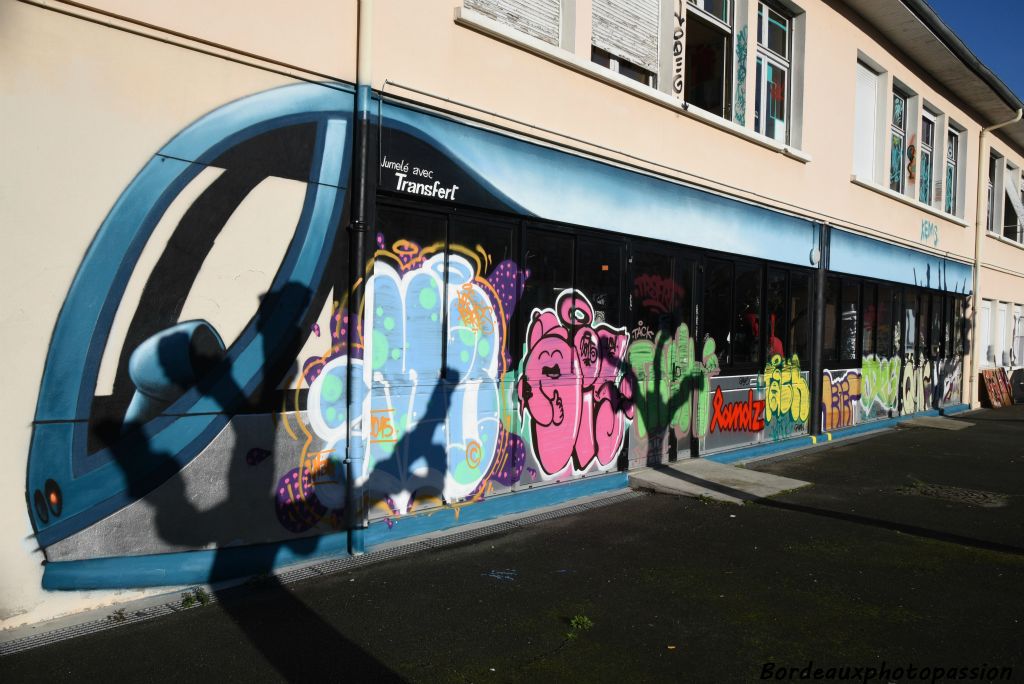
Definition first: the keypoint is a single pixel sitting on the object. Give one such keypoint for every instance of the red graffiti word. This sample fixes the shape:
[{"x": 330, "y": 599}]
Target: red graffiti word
[
  {"x": 743, "y": 416},
  {"x": 658, "y": 294}
]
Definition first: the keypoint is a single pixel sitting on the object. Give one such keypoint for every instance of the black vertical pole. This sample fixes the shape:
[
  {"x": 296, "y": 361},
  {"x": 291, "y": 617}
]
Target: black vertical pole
[
  {"x": 818, "y": 333},
  {"x": 362, "y": 199}
]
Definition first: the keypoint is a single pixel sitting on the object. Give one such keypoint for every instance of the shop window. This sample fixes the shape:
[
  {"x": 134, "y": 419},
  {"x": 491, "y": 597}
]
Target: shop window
[
  {"x": 708, "y": 59},
  {"x": 718, "y": 282},
  {"x": 870, "y": 316},
  {"x": 999, "y": 354},
  {"x": 850, "y": 307},
  {"x": 898, "y": 140},
  {"x": 883, "y": 317},
  {"x": 800, "y": 316},
  {"x": 935, "y": 319},
  {"x": 746, "y": 342},
  {"x": 830, "y": 348},
  {"x": 923, "y": 324},
  {"x": 775, "y": 298},
  {"x": 985, "y": 333},
  {"x": 1018, "y": 337},
  {"x": 599, "y": 265},
  {"x": 910, "y": 322},
  {"x": 959, "y": 321},
  {"x": 772, "y": 89},
  {"x": 548, "y": 258},
  {"x": 926, "y": 156}
]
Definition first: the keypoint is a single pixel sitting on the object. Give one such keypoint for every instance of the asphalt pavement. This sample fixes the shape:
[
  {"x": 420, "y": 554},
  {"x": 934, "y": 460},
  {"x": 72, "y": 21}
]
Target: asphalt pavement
[{"x": 906, "y": 551}]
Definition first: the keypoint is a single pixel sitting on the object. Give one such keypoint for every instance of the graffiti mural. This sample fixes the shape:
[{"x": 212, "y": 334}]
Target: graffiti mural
[
  {"x": 740, "y": 114},
  {"x": 947, "y": 381},
  {"x": 746, "y": 415},
  {"x": 573, "y": 389},
  {"x": 916, "y": 386},
  {"x": 787, "y": 397},
  {"x": 673, "y": 388},
  {"x": 429, "y": 434},
  {"x": 840, "y": 397},
  {"x": 880, "y": 386}
]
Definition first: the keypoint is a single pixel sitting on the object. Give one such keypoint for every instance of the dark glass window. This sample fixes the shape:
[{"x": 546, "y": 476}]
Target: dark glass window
[
  {"x": 830, "y": 348},
  {"x": 718, "y": 307},
  {"x": 599, "y": 278},
  {"x": 707, "y": 67},
  {"x": 910, "y": 320},
  {"x": 870, "y": 316},
  {"x": 654, "y": 299},
  {"x": 746, "y": 342},
  {"x": 959, "y": 308},
  {"x": 883, "y": 346},
  {"x": 848, "y": 320},
  {"x": 922, "y": 324},
  {"x": 936, "y": 324},
  {"x": 800, "y": 316},
  {"x": 775, "y": 298},
  {"x": 549, "y": 261}
]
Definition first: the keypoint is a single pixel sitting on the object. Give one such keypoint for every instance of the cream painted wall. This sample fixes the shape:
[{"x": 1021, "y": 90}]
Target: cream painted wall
[{"x": 315, "y": 35}]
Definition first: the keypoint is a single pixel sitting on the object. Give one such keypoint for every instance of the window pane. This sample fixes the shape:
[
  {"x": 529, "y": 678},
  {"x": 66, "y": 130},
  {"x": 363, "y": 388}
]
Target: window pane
[
  {"x": 870, "y": 320},
  {"x": 896, "y": 162},
  {"x": 776, "y": 103},
  {"x": 654, "y": 298},
  {"x": 799, "y": 316},
  {"x": 778, "y": 34},
  {"x": 910, "y": 312},
  {"x": 707, "y": 65},
  {"x": 884, "y": 321},
  {"x": 716, "y": 8},
  {"x": 936, "y": 325},
  {"x": 776, "y": 301},
  {"x": 549, "y": 261},
  {"x": 718, "y": 307},
  {"x": 959, "y": 313},
  {"x": 758, "y": 122},
  {"x": 925, "y": 193},
  {"x": 848, "y": 320},
  {"x": 747, "y": 322},
  {"x": 599, "y": 278},
  {"x": 830, "y": 349},
  {"x": 922, "y": 325}
]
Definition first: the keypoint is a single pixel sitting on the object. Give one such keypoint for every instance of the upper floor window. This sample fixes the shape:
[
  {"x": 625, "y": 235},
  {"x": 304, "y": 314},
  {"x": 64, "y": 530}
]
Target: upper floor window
[
  {"x": 898, "y": 141},
  {"x": 624, "y": 35},
  {"x": 1013, "y": 206},
  {"x": 707, "y": 81},
  {"x": 995, "y": 163},
  {"x": 952, "y": 172},
  {"x": 538, "y": 18},
  {"x": 926, "y": 156},
  {"x": 771, "y": 104}
]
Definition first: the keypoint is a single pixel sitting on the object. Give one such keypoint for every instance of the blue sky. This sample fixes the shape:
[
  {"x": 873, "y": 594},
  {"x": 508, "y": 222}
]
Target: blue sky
[{"x": 992, "y": 30}]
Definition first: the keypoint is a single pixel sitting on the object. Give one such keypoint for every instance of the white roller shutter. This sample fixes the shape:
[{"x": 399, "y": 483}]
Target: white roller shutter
[
  {"x": 538, "y": 18},
  {"x": 628, "y": 29},
  {"x": 865, "y": 126}
]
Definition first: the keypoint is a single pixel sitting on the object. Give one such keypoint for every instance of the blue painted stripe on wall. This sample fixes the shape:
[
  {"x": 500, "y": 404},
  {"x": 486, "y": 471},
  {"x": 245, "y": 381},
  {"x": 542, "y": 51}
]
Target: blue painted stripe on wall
[
  {"x": 564, "y": 187},
  {"x": 864, "y": 256},
  {"x": 202, "y": 567}
]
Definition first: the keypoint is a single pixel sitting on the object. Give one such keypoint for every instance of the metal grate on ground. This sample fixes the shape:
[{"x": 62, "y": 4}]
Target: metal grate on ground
[{"x": 122, "y": 617}]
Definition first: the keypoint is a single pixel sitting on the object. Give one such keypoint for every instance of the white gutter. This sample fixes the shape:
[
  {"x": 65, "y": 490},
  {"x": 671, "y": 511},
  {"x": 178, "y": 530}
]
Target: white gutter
[{"x": 978, "y": 232}]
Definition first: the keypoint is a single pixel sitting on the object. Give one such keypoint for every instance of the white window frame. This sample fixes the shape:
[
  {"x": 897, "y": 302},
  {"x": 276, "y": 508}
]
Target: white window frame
[
  {"x": 955, "y": 152},
  {"x": 926, "y": 187},
  {"x": 728, "y": 70},
  {"x": 767, "y": 56},
  {"x": 898, "y": 130}
]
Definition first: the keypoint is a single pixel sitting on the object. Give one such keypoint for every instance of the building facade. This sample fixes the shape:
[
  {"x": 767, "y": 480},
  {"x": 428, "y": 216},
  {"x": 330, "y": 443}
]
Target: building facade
[{"x": 284, "y": 284}]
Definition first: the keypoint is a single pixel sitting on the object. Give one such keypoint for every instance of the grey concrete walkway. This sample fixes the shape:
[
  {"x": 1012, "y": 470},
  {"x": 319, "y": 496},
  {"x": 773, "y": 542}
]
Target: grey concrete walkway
[{"x": 698, "y": 478}]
